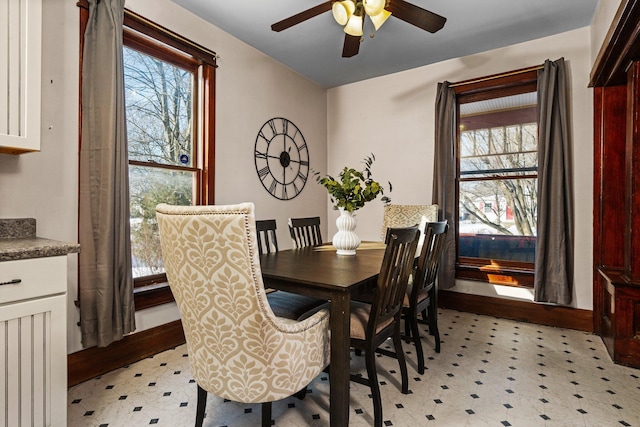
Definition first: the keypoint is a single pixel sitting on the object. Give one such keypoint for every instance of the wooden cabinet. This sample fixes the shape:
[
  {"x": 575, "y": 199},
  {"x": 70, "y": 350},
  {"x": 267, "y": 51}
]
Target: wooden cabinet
[
  {"x": 619, "y": 317},
  {"x": 33, "y": 342},
  {"x": 20, "y": 76},
  {"x": 616, "y": 234}
]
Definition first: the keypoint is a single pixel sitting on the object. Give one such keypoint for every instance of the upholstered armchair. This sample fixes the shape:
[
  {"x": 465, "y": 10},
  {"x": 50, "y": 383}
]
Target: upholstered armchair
[
  {"x": 408, "y": 216},
  {"x": 238, "y": 349}
]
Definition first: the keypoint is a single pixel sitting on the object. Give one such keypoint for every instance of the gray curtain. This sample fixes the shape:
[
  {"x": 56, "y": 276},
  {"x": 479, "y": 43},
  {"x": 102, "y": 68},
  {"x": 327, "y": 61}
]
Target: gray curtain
[
  {"x": 444, "y": 176},
  {"x": 106, "y": 287},
  {"x": 553, "y": 281}
]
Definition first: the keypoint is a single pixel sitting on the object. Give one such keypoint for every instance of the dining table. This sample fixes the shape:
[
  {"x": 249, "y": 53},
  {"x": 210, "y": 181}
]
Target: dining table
[{"x": 319, "y": 271}]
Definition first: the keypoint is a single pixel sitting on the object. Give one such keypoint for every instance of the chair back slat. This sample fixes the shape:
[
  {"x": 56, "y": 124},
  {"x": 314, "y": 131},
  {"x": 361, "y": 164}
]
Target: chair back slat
[
  {"x": 305, "y": 231},
  {"x": 435, "y": 234},
  {"x": 267, "y": 240},
  {"x": 394, "y": 275}
]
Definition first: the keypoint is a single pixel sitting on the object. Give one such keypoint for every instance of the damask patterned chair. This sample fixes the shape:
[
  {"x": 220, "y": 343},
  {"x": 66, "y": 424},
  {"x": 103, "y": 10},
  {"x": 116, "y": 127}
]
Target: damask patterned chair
[
  {"x": 238, "y": 349},
  {"x": 408, "y": 216}
]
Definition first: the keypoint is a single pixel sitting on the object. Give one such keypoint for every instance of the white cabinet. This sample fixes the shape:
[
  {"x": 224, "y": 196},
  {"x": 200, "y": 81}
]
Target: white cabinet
[
  {"x": 20, "y": 75},
  {"x": 33, "y": 342}
]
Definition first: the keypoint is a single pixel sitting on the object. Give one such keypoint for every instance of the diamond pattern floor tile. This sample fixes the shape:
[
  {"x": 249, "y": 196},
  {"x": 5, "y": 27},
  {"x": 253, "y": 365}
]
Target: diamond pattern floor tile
[{"x": 490, "y": 372}]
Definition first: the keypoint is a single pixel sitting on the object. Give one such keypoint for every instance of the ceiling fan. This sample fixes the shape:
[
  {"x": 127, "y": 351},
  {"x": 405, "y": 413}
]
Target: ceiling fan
[{"x": 350, "y": 13}]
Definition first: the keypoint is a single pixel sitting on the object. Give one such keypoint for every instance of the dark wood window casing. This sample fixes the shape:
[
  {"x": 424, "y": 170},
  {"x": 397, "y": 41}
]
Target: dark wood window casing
[{"x": 511, "y": 273}]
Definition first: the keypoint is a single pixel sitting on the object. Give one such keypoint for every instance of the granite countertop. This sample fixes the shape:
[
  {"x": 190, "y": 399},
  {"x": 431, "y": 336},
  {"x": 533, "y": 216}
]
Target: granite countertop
[{"x": 18, "y": 241}]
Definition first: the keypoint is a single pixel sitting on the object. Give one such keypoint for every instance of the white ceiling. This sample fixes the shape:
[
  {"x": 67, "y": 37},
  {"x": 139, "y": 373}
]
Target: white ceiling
[{"x": 314, "y": 47}]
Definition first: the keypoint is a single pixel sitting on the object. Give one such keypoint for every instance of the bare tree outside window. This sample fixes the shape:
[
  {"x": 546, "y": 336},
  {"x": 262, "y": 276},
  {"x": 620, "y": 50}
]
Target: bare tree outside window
[{"x": 159, "y": 109}]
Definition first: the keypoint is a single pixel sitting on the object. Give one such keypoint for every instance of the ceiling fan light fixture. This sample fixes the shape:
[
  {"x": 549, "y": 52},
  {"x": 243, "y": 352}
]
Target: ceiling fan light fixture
[
  {"x": 342, "y": 11},
  {"x": 380, "y": 18},
  {"x": 354, "y": 26},
  {"x": 374, "y": 7}
]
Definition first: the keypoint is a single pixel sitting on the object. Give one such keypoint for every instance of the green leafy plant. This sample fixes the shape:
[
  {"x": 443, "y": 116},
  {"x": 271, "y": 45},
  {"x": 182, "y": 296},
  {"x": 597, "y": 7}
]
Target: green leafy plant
[{"x": 353, "y": 188}]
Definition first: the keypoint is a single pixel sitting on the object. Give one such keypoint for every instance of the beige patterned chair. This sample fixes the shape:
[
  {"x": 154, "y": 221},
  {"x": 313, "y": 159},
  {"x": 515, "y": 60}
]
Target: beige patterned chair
[
  {"x": 238, "y": 349},
  {"x": 408, "y": 216}
]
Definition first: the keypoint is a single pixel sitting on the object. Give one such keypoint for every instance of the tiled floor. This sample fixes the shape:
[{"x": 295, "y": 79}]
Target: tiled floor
[{"x": 491, "y": 372}]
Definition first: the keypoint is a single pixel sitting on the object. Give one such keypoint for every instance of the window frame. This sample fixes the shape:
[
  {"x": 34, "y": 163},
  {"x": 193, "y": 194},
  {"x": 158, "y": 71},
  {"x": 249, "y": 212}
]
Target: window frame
[
  {"x": 510, "y": 273},
  {"x": 150, "y": 38}
]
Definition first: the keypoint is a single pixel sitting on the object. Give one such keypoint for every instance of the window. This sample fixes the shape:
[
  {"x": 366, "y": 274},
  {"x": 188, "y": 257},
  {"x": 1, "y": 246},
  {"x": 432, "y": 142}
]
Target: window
[
  {"x": 168, "y": 94},
  {"x": 169, "y": 98},
  {"x": 497, "y": 179}
]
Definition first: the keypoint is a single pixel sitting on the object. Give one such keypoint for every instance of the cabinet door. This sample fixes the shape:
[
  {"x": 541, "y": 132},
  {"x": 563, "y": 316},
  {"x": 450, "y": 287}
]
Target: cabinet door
[
  {"x": 20, "y": 74},
  {"x": 33, "y": 363}
]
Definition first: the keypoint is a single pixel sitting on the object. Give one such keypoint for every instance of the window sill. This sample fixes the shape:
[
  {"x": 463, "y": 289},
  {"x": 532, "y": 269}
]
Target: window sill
[
  {"x": 152, "y": 295},
  {"x": 490, "y": 271}
]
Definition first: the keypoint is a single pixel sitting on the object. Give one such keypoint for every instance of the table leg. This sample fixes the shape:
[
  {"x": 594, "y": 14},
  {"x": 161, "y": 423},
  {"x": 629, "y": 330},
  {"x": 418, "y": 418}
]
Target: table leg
[{"x": 339, "y": 373}]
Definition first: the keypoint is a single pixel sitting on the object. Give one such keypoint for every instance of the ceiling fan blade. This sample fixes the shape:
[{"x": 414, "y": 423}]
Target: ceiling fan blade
[
  {"x": 416, "y": 15},
  {"x": 302, "y": 16},
  {"x": 351, "y": 46}
]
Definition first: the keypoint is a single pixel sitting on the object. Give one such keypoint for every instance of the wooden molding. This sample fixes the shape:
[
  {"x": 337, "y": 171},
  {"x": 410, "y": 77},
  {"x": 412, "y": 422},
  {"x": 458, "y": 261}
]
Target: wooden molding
[
  {"x": 152, "y": 296},
  {"x": 620, "y": 47},
  {"x": 542, "y": 314},
  {"x": 95, "y": 361}
]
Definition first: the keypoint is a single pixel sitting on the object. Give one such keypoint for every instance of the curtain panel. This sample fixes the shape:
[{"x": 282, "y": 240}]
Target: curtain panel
[
  {"x": 553, "y": 282},
  {"x": 444, "y": 178},
  {"x": 106, "y": 285}
]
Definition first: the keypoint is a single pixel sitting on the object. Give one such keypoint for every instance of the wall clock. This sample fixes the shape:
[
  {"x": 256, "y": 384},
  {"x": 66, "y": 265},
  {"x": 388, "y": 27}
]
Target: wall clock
[{"x": 282, "y": 158}]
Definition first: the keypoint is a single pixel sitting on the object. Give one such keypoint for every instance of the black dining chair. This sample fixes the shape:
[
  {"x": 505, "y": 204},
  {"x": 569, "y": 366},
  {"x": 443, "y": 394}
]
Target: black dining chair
[
  {"x": 266, "y": 233},
  {"x": 283, "y": 304},
  {"x": 422, "y": 292},
  {"x": 372, "y": 324},
  {"x": 305, "y": 231}
]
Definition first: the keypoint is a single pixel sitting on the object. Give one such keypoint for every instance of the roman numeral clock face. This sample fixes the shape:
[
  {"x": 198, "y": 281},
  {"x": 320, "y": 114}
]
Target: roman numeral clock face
[{"x": 282, "y": 158}]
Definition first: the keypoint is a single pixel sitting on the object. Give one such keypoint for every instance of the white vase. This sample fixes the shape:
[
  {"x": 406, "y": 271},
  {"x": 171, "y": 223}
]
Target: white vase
[{"x": 346, "y": 241}]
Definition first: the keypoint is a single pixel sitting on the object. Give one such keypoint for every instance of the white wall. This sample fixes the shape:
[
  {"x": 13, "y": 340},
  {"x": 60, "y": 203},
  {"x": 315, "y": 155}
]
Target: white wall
[
  {"x": 44, "y": 185},
  {"x": 250, "y": 89},
  {"x": 601, "y": 22},
  {"x": 393, "y": 116}
]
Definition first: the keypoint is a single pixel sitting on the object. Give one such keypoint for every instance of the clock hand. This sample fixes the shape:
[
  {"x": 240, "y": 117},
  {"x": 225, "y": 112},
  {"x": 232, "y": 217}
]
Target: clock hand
[{"x": 302, "y": 162}]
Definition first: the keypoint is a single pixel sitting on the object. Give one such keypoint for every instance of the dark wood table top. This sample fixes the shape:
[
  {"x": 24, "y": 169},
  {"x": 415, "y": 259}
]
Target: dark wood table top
[{"x": 321, "y": 268}]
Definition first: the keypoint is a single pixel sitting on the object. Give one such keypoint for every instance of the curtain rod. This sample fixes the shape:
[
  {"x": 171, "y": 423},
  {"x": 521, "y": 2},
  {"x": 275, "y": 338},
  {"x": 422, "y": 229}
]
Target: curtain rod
[
  {"x": 497, "y": 76},
  {"x": 85, "y": 5},
  {"x": 170, "y": 33}
]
